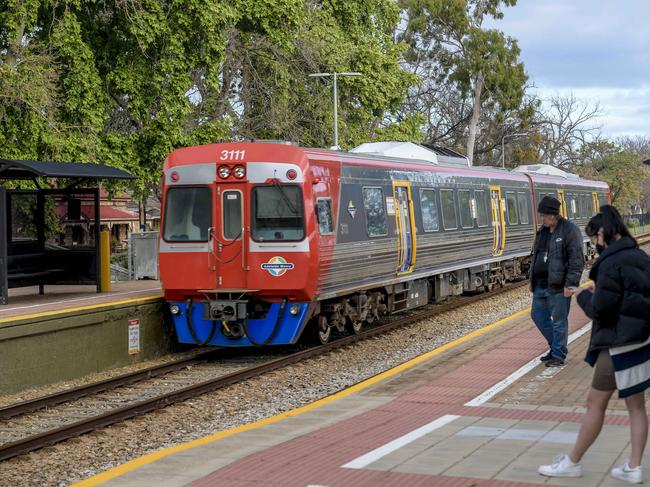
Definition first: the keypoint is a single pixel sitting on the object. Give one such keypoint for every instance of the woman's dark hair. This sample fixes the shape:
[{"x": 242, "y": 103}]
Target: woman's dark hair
[{"x": 610, "y": 220}]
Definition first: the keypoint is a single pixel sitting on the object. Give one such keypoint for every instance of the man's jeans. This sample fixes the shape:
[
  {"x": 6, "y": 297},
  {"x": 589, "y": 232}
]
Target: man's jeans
[{"x": 550, "y": 313}]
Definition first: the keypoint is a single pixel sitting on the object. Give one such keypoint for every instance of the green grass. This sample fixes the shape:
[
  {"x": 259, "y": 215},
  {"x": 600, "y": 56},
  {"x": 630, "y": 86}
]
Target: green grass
[{"x": 640, "y": 230}]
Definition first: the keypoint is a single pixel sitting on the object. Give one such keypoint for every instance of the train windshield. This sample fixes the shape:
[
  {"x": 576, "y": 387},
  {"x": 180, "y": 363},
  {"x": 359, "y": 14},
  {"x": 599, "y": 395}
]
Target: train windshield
[
  {"x": 277, "y": 213},
  {"x": 188, "y": 213}
]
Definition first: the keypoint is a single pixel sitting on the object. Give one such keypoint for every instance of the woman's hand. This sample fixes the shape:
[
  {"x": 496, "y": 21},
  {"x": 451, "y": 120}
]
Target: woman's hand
[{"x": 589, "y": 287}]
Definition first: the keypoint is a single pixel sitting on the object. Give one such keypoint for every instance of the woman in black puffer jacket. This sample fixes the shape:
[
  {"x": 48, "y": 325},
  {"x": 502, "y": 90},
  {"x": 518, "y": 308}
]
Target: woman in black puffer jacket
[{"x": 619, "y": 348}]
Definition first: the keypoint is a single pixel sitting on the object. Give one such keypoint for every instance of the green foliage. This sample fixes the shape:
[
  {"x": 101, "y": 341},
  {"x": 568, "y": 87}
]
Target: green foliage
[
  {"x": 621, "y": 169},
  {"x": 126, "y": 82}
]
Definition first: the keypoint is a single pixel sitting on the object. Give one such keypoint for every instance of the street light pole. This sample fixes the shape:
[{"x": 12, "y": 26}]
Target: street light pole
[
  {"x": 335, "y": 75},
  {"x": 503, "y": 146}
]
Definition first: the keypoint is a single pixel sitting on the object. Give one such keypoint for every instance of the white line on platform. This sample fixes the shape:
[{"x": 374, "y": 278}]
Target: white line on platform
[
  {"x": 374, "y": 455},
  {"x": 485, "y": 396},
  {"x": 94, "y": 296}
]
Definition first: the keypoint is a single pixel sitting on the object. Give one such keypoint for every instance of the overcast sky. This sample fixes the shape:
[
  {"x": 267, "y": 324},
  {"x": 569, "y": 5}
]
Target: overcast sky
[{"x": 597, "y": 49}]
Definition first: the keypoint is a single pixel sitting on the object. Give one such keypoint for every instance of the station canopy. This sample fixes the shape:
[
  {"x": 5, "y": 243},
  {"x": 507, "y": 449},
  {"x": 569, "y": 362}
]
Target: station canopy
[{"x": 16, "y": 169}]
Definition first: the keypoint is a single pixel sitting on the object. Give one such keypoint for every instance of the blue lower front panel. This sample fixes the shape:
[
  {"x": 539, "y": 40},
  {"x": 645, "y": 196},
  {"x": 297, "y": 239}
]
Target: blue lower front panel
[{"x": 288, "y": 330}]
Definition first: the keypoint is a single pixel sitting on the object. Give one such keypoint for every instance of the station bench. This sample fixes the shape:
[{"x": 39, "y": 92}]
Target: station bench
[{"x": 33, "y": 269}]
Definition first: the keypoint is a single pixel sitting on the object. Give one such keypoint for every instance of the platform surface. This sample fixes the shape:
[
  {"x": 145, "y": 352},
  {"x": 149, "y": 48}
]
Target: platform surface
[
  {"x": 457, "y": 417},
  {"x": 26, "y": 301}
]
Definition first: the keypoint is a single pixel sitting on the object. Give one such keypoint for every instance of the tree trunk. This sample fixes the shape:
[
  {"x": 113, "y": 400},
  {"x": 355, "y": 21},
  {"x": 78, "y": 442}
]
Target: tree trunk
[{"x": 473, "y": 123}]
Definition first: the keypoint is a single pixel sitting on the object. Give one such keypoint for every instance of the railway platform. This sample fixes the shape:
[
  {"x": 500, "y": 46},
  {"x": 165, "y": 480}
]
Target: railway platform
[
  {"x": 39, "y": 333},
  {"x": 479, "y": 411}
]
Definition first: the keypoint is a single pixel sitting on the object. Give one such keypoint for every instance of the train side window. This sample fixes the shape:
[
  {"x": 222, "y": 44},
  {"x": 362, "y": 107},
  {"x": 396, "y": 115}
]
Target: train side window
[
  {"x": 522, "y": 202},
  {"x": 589, "y": 206},
  {"x": 429, "y": 210},
  {"x": 373, "y": 203},
  {"x": 449, "y": 219},
  {"x": 232, "y": 219},
  {"x": 573, "y": 207},
  {"x": 324, "y": 216},
  {"x": 511, "y": 205},
  {"x": 602, "y": 199},
  {"x": 188, "y": 214},
  {"x": 465, "y": 209},
  {"x": 481, "y": 208}
]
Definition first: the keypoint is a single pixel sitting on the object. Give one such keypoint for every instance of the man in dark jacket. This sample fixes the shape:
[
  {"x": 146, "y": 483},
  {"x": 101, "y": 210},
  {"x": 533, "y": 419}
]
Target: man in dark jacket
[{"x": 556, "y": 269}]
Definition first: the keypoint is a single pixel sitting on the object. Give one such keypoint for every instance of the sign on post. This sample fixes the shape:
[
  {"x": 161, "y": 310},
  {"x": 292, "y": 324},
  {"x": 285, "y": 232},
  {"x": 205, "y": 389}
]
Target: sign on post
[{"x": 134, "y": 337}]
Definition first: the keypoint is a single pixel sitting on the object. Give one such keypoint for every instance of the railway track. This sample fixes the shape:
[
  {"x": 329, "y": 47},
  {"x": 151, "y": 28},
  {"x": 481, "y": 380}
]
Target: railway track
[{"x": 47, "y": 420}]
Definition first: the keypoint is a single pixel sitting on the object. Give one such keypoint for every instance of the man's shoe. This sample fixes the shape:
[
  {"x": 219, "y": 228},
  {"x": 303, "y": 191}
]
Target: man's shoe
[
  {"x": 562, "y": 466},
  {"x": 632, "y": 475},
  {"x": 554, "y": 362},
  {"x": 546, "y": 358}
]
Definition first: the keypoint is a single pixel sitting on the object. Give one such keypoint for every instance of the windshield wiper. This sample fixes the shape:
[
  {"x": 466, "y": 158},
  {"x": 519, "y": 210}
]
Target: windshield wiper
[{"x": 285, "y": 198}]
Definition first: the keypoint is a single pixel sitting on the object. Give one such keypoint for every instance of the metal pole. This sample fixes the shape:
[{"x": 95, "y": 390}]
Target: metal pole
[
  {"x": 503, "y": 148},
  {"x": 336, "y": 116},
  {"x": 335, "y": 76}
]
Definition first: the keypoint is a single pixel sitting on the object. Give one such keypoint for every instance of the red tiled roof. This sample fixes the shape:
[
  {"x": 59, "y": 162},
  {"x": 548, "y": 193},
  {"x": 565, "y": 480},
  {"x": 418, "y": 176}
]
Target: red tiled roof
[{"x": 108, "y": 212}]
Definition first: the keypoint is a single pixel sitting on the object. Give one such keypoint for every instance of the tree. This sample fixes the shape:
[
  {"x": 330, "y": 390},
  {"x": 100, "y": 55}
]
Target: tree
[
  {"x": 621, "y": 169},
  {"x": 467, "y": 68},
  {"x": 564, "y": 125},
  {"x": 126, "y": 82}
]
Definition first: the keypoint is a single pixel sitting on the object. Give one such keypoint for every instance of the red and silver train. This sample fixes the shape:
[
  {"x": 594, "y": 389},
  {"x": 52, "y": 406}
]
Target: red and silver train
[{"x": 263, "y": 242}]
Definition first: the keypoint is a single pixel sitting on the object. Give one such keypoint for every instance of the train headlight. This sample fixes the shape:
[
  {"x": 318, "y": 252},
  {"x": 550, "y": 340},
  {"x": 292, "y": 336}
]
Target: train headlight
[
  {"x": 175, "y": 309},
  {"x": 224, "y": 172},
  {"x": 239, "y": 172},
  {"x": 294, "y": 309},
  {"x": 292, "y": 174}
]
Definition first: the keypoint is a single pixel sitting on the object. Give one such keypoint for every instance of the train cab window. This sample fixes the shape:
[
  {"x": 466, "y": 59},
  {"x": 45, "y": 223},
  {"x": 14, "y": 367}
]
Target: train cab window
[
  {"x": 277, "y": 213},
  {"x": 522, "y": 202},
  {"x": 449, "y": 219},
  {"x": 324, "y": 216},
  {"x": 188, "y": 214},
  {"x": 373, "y": 203},
  {"x": 429, "y": 210},
  {"x": 481, "y": 208},
  {"x": 232, "y": 219},
  {"x": 511, "y": 207},
  {"x": 465, "y": 201}
]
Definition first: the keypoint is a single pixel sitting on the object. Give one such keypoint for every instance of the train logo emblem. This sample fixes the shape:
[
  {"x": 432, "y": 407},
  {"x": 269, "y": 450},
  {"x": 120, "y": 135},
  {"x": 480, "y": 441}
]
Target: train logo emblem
[
  {"x": 352, "y": 210},
  {"x": 277, "y": 266}
]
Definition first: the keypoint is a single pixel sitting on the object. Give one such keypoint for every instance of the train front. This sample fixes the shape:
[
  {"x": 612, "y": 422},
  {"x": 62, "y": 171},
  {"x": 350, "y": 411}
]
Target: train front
[{"x": 235, "y": 258}]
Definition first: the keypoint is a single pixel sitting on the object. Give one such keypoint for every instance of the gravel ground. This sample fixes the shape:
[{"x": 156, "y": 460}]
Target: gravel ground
[{"x": 255, "y": 399}]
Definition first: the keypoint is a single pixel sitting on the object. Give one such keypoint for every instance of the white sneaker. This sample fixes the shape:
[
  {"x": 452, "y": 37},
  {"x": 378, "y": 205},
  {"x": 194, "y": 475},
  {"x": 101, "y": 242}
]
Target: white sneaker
[
  {"x": 632, "y": 475},
  {"x": 562, "y": 466}
]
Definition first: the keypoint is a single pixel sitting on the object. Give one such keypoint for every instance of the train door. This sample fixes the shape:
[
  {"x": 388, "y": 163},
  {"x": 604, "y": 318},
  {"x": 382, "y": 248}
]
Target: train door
[
  {"x": 563, "y": 209},
  {"x": 498, "y": 221},
  {"x": 228, "y": 237},
  {"x": 595, "y": 202},
  {"x": 405, "y": 227}
]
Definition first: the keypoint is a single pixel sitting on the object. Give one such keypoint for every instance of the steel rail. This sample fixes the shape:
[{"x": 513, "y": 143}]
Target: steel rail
[
  {"x": 31, "y": 405},
  {"x": 47, "y": 438}
]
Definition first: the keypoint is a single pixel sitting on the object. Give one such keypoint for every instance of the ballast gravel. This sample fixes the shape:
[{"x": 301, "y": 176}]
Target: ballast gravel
[{"x": 255, "y": 399}]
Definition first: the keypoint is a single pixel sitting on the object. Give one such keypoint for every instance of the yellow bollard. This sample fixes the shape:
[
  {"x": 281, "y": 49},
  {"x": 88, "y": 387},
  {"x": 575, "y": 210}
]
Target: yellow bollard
[{"x": 105, "y": 261}]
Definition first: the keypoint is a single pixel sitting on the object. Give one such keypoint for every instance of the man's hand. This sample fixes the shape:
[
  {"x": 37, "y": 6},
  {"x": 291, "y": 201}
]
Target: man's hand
[
  {"x": 568, "y": 291},
  {"x": 589, "y": 287}
]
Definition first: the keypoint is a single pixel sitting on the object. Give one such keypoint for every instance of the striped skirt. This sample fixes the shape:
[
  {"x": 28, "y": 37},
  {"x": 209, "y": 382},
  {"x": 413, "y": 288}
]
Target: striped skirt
[{"x": 631, "y": 368}]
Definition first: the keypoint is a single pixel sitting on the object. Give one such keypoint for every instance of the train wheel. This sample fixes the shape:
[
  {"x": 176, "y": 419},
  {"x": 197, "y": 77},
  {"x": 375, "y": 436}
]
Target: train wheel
[
  {"x": 323, "y": 330},
  {"x": 355, "y": 326}
]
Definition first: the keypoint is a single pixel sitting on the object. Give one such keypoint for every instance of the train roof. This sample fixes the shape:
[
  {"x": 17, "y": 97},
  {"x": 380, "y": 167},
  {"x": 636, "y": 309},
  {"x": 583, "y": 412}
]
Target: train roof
[{"x": 259, "y": 151}]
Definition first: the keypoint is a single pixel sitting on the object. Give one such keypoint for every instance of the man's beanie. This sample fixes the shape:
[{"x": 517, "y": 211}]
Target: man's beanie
[{"x": 549, "y": 206}]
